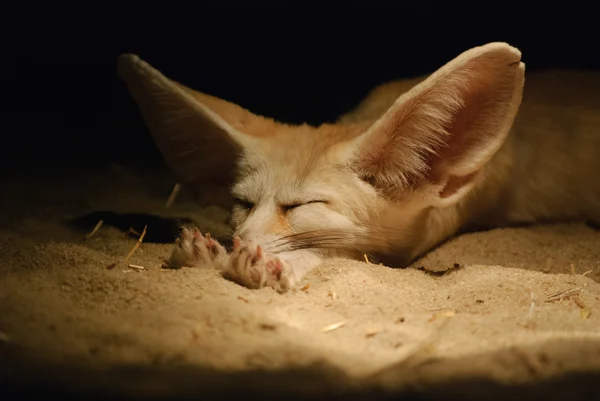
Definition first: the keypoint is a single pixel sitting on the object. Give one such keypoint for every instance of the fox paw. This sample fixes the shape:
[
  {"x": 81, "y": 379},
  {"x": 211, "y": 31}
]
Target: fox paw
[
  {"x": 254, "y": 268},
  {"x": 193, "y": 249}
]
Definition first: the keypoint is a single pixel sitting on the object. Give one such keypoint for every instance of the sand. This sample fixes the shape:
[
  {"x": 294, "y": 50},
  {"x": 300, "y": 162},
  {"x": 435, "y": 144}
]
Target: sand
[{"x": 481, "y": 328}]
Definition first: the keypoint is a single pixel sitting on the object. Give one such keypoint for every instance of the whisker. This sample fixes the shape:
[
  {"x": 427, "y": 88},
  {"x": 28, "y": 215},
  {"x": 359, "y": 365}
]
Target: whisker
[
  {"x": 330, "y": 244},
  {"x": 344, "y": 235},
  {"x": 335, "y": 238}
]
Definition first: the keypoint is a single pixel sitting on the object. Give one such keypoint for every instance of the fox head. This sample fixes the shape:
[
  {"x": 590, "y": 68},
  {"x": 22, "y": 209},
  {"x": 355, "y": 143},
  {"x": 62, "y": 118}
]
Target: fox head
[{"x": 373, "y": 184}]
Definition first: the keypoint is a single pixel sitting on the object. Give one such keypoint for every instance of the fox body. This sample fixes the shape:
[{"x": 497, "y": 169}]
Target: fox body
[{"x": 416, "y": 162}]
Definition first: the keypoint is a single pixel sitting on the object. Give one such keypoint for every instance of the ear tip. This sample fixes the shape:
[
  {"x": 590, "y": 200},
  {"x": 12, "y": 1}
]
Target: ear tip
[
  {"x": 128, "y": 55},
  {"x": 126, "y": 61},
  {"x": 503, "y": 48},
  {"x": 128, "y": 58}
]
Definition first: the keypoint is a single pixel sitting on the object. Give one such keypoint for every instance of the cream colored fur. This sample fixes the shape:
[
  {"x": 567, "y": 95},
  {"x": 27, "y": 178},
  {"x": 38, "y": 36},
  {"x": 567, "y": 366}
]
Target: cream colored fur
[{"x": 414, "y": 163}]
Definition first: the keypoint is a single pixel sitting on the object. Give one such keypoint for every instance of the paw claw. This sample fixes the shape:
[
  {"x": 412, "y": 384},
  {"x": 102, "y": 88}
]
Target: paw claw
[
  {"x": 275, "y": 267},
  {"x": 185, "y": 235},
  {"x": 259, "y": 254},
  {"x": 247, "y": 265},
  {"x": 237, "y": 243},
  {"x": 194, "y": 249},
  {"x": 256, "y": 269}
]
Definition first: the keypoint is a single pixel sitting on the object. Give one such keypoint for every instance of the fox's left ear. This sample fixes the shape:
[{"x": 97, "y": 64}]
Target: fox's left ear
[
  {"x": 437, "y": 137},
  {"x": 200, "y": 136}
]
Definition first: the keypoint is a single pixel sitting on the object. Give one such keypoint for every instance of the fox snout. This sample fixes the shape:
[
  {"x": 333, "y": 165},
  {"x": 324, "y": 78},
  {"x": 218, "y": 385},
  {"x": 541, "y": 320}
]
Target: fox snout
[{"x": 263, "y": 227}]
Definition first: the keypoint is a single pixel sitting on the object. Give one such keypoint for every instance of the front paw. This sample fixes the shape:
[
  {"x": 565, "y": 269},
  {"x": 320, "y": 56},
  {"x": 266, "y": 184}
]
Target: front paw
[
  {"x": 254, "y": 268},
  {"x": 193, "y": 249}
]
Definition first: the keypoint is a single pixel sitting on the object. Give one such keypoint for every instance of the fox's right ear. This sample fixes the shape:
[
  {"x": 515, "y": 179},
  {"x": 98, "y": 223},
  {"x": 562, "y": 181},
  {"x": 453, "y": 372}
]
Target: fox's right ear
[
  {"x": 437, "y": 138},
  {"x": 199, "y": 136}
]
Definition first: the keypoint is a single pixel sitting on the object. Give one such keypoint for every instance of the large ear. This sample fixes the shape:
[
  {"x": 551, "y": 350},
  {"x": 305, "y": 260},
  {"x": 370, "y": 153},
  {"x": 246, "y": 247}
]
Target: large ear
[
  {"x": 438, "y": 136},
  {"x": 198, "y": 135}
]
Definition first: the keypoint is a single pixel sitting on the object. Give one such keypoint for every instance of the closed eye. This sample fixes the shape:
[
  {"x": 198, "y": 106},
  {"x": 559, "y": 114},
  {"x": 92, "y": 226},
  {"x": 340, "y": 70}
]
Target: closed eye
[
  {"x": 244, "y": 203},
  {"x": 292, "y": 206}
]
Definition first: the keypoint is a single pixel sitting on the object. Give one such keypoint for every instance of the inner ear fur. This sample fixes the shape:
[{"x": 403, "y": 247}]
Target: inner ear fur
[{"x": 445, "y": 129}]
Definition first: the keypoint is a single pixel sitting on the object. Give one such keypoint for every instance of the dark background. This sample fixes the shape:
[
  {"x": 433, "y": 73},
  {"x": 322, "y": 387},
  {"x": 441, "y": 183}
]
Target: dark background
[{"x": 62, "y": 99}]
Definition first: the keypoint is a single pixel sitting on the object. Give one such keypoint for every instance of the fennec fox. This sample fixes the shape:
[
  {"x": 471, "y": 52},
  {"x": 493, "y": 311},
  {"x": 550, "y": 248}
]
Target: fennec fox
[{"x": 417, "y": 161}]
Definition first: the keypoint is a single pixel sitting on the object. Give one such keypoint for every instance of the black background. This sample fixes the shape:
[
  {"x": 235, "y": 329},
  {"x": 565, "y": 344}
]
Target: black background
[{"x": 62, "y": 99}]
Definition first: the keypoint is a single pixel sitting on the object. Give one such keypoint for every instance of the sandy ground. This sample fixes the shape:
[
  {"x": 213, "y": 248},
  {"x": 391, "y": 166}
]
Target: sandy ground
[{"x": 486, "y": 320}]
